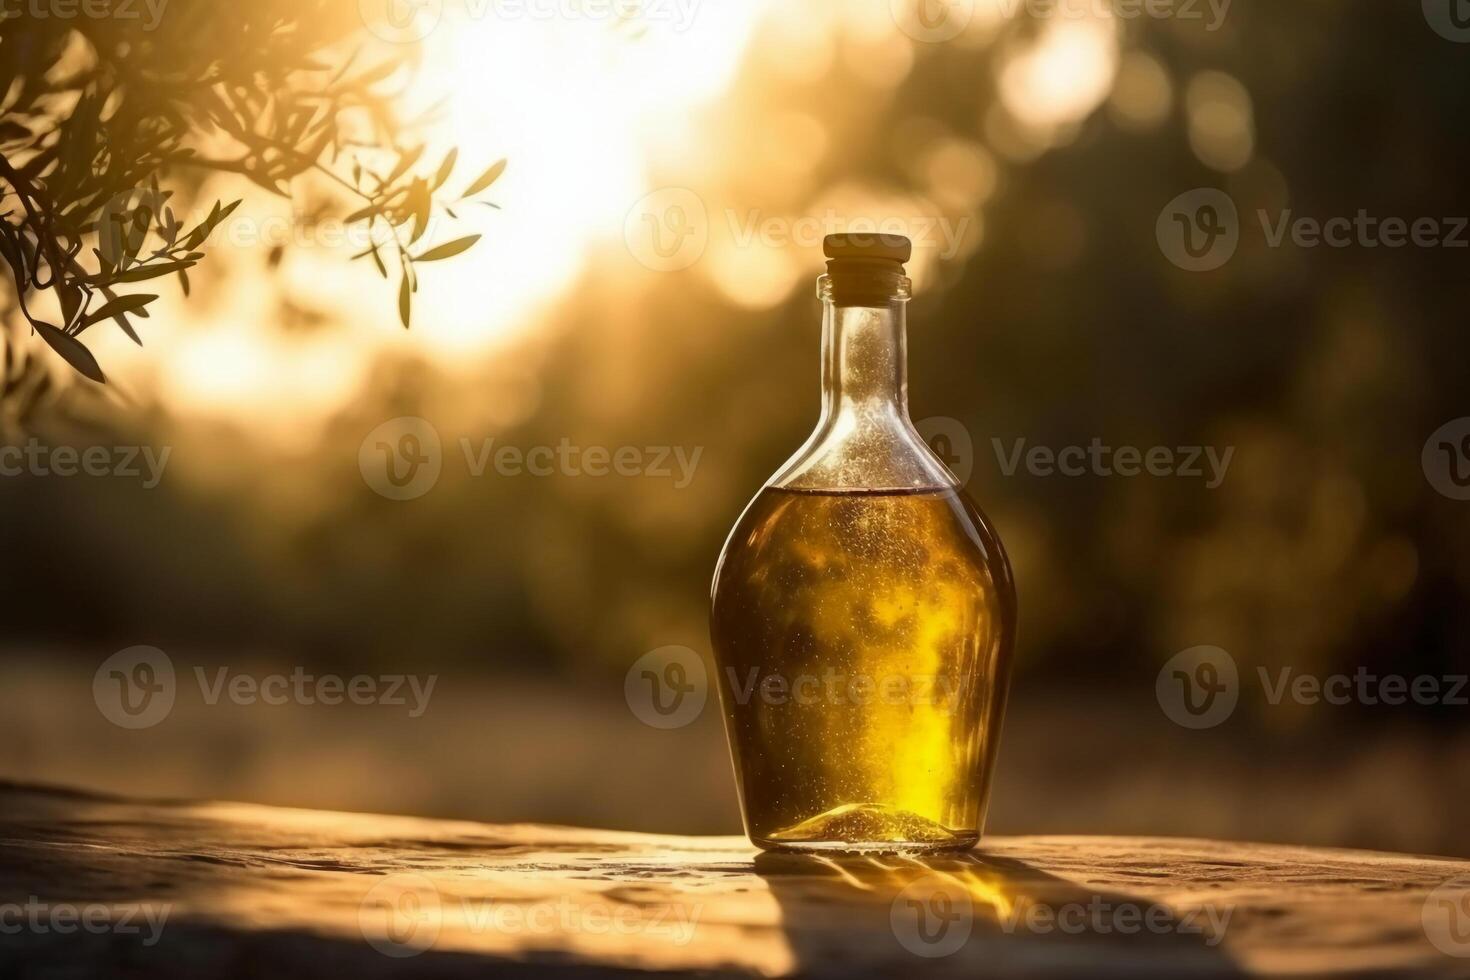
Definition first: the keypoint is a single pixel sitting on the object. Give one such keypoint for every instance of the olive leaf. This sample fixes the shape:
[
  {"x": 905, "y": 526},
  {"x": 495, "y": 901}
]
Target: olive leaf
[
  {"x": 101, "y": 120},
  {"x": 117, "y": 307},
  {"x": 485, "y": 179},
  {"x": 448, "y": 249},
  {"x": 70, "y": 349}
]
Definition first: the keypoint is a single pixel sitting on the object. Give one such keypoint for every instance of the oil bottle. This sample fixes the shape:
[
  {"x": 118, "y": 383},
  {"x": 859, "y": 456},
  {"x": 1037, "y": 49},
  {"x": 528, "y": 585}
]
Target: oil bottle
[{"x": 863, "y": 611}]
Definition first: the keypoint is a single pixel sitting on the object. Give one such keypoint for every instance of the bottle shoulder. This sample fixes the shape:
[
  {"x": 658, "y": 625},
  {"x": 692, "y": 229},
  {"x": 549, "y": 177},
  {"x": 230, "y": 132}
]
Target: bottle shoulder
[
  {"x": 790, "y": 540},
  {"x": 871, "y": 450}
]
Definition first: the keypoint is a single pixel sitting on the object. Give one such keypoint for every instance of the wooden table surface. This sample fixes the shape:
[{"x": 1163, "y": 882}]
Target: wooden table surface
[{"x": 99, "y": 886}]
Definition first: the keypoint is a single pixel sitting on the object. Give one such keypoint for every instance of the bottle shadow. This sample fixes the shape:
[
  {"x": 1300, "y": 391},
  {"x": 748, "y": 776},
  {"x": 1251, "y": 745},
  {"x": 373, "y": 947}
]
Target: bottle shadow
[{"x": 976, "y": 915}]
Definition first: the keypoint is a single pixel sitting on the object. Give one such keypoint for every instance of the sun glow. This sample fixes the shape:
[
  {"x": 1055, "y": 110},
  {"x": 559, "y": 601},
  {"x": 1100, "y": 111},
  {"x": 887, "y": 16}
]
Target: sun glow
[
  {"x": 576, "y": 105},
  {"x": 1064, "y": 76},
  {"x": 581, "y": 107},
  {"x": 596, "y": 117}
]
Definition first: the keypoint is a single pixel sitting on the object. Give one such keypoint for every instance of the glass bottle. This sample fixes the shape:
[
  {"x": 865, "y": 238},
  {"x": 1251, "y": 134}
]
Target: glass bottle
[{"x": 863, "y": 611}]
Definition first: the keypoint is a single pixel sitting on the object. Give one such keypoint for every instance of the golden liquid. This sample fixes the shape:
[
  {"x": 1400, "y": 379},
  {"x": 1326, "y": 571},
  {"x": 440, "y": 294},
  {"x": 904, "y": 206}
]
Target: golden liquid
[{"x": 862, "y": 641}]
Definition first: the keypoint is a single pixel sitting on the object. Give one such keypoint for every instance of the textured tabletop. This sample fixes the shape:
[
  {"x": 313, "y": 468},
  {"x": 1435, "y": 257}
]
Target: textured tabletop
[{"x": 91, "y": 886}]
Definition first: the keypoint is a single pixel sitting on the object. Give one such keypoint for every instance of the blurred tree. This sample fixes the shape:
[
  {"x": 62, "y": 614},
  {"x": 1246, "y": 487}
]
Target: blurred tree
[{"x": 98, "y": 110}]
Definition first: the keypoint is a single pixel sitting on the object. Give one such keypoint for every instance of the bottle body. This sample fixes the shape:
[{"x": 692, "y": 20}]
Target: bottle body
[
  {"x": 863, "y": 612},
  {"x": 862, "y": 640}
]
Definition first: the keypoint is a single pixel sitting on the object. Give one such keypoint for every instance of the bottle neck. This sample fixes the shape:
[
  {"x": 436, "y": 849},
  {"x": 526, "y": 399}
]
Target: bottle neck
[
  {"x": 864, "y": 359},
  {"x": 864, "y": 439}
]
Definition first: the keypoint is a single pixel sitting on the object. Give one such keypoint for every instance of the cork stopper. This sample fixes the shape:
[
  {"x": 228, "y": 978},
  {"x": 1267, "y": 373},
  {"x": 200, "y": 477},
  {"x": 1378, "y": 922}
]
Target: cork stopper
[
  {"x": 865, "y": 269},
  {"x": 860, "y": 245}
]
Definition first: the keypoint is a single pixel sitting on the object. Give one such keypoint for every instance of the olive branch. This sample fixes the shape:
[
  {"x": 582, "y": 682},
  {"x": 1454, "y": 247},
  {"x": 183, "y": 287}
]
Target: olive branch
[{"x": 98, "y": 115}]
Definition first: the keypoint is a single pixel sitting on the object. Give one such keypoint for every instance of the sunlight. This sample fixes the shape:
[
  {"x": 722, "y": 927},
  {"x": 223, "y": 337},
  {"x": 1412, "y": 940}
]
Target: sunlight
[
  {"x": 581, "y": 107},
  {"x": 575, "y": 105},
  {"x": 1064, "y": 76},
  {"x": 593, "y": 115}
]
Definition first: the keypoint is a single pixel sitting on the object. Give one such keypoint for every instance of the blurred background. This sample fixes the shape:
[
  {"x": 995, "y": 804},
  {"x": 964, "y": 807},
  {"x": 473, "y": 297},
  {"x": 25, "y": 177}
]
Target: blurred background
[{"x": 647, "y": 280}]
